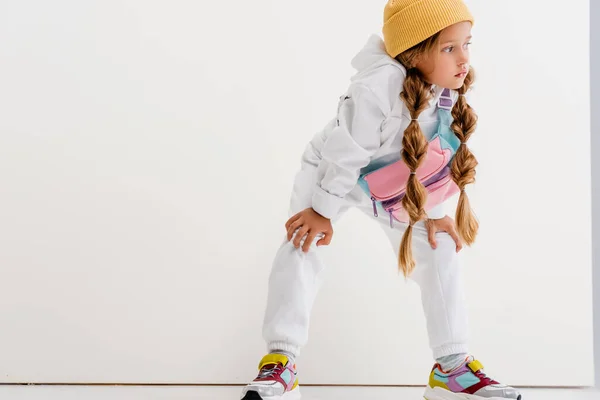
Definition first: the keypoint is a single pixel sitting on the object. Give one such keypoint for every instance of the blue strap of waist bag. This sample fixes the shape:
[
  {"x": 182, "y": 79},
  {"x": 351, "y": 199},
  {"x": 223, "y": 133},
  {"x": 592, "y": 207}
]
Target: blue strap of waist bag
[{"x": 445, "y": 115}]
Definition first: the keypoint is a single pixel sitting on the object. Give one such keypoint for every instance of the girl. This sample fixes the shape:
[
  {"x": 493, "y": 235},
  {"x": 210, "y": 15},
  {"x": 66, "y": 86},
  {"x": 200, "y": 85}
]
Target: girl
[{"x": 406, "y": 102}]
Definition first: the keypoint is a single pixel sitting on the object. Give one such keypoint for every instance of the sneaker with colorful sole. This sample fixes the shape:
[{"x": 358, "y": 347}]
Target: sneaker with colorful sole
[
  {"x": 277, "y": 380},
  {"x": 467, "y": 382}
]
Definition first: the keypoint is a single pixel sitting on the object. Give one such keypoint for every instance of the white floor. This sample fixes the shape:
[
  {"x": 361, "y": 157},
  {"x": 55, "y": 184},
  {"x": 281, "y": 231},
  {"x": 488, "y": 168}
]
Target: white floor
[{"x": 232, "y": 393}]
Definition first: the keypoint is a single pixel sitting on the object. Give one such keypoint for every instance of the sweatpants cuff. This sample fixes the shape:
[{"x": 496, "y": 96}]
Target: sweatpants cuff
[
  {"x": 449, "y": 349},
  {"x": 295, "y": 350}
]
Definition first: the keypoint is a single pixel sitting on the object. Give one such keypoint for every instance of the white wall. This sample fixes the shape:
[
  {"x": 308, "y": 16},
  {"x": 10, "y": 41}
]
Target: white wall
[{"x": 146, "y": 156}]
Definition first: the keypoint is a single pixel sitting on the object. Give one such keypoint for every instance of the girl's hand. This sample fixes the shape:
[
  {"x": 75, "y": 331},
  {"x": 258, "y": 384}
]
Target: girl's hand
[
  {"x": 445, "y": 224},
  {"x": 309, "y": 222}
]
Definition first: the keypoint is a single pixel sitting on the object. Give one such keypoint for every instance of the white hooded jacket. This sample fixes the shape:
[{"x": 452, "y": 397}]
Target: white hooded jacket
[{"x": 369, "y": 125}]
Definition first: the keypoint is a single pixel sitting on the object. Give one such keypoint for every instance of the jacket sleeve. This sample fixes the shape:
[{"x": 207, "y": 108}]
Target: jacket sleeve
[{"x": 348, "y": 148}]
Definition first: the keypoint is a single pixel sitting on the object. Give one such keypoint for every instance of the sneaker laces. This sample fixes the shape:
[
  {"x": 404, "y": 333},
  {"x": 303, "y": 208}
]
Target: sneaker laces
[
  {"x": 267, "y": 372},
  {"x": 483, "y": 376}
]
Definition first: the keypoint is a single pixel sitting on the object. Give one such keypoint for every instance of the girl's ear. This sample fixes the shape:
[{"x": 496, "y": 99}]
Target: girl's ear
[{"x": 419, "y": 61}]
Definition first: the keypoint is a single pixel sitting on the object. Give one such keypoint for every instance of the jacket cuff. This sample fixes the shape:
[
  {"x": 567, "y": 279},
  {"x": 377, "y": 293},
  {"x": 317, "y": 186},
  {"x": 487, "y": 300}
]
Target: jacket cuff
[
  {"x": 437, "y": 212},
  {"x": 326, "y": 204}
]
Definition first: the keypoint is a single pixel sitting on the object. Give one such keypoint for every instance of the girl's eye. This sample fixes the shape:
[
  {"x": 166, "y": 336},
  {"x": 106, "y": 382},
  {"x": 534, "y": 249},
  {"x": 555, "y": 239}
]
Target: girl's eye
[{"x": 450, "y": 48}]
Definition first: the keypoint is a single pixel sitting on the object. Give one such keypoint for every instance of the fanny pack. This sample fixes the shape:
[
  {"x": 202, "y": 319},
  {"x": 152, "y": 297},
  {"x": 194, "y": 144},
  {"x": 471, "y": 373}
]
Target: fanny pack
[{"x": 386, "y": 184}]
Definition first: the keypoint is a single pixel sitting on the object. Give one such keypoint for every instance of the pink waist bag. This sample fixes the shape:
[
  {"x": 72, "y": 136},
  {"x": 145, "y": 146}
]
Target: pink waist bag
[{"x": 387, "y": 185}]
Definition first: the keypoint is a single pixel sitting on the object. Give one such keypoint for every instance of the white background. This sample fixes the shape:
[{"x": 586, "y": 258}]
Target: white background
[{"x": 147, "y": 150}]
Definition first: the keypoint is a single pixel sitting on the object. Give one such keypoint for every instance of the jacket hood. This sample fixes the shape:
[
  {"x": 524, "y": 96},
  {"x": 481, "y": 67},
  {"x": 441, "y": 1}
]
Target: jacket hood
[
  {"x": 372, "y": 56},
  {"x": 372, "y": 64}
]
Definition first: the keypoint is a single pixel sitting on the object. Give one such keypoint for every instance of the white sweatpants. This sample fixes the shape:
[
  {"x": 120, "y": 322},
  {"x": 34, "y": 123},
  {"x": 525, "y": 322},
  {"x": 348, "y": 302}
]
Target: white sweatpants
[{"x": 295, "y": 279}]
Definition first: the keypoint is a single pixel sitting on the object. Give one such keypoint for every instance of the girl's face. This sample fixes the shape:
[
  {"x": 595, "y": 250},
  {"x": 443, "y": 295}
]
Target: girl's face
[{"x": 447, "y": 65}]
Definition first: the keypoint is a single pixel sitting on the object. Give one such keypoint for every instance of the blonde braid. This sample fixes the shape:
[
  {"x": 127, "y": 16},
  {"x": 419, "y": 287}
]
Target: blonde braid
[
  {"x": 416, "y": 95},
  {"x": 464, "y": 162}
]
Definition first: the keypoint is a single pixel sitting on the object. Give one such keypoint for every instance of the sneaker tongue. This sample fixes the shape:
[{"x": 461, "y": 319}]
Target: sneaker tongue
[{"x": 470, "y": 359}]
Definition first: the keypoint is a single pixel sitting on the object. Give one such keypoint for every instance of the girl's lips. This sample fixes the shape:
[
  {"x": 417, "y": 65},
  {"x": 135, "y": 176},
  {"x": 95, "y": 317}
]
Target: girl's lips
[{"x": 461, "y": 75}]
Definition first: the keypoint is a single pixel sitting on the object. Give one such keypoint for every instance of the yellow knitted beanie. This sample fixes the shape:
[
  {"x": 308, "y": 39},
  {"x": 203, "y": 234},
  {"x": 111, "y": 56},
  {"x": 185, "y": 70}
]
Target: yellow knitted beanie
[{"x": 407, "y": 23}]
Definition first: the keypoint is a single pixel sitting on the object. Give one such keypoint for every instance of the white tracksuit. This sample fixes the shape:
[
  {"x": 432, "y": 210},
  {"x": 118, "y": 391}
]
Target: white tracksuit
[{"x": 369, "y": 125}]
